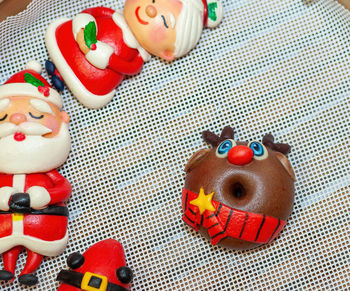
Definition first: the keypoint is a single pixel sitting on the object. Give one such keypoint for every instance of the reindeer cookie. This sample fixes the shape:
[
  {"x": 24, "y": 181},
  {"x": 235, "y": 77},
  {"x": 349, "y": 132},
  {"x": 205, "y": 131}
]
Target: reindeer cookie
[{"x": 238, "y": 194}]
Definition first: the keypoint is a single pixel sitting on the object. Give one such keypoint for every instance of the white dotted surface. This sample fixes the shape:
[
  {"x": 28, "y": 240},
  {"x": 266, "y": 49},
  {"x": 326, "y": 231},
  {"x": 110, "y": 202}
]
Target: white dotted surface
[{"x": 272, "y": 66}]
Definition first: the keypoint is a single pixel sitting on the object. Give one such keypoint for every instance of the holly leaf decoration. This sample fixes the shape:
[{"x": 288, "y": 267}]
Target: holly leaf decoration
[
  {"x": 29, "y": 78},
  {"x": 212, "y": 11},
  {"x": 90, "y": 34}
]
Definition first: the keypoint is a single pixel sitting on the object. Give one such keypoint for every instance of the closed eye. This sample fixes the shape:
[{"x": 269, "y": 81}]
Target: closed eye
[
  {"x": 165, "y": 24},
  {"x": 2, "y": 119},
  {"x": 35, "y": 117}
]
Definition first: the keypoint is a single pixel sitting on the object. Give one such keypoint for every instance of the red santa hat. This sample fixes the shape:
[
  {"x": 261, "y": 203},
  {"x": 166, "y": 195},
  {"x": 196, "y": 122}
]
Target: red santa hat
[
  {"x": 195, "y": 15},
  {"x": 30, "y": 83}
]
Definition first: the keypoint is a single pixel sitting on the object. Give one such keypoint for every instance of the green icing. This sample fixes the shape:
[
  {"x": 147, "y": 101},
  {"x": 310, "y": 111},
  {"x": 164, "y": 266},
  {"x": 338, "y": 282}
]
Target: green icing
[
  {"x": 212, "y": 11},
  {"x": 90, "y": 33},
  {"x": 29, "y": 78}
]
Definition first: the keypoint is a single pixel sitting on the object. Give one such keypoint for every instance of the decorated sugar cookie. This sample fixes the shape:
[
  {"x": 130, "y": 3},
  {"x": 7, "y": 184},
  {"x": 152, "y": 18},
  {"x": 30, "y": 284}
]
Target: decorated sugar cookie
[
  {"x": 238, "y": 194},
  {"x": 34, "y": 141},
  {"x": 102, "y": 267},
  {"x": 95, "y": 50}
]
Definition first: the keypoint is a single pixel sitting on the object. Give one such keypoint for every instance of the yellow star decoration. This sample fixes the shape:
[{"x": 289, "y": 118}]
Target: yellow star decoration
[{"x": 203, "y": 202}]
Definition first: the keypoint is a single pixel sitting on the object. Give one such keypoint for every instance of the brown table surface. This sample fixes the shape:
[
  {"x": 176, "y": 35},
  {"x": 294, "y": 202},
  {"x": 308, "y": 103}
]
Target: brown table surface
[{"x": 12, "y": 7}]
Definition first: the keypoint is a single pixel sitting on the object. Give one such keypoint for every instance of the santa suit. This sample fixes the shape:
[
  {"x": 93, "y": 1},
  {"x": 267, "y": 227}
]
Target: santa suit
[
  {"x": 43, "y": 231},
  {"x": 118, "y": 54}
]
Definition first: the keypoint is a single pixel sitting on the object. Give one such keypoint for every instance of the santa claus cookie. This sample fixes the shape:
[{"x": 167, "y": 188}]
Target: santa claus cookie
[
  {"x": 98, "y": 47},
  {"x": 34, "y": 141},
  {"x": 102, "y": 267},
  {"x": 238, "y": 194}
]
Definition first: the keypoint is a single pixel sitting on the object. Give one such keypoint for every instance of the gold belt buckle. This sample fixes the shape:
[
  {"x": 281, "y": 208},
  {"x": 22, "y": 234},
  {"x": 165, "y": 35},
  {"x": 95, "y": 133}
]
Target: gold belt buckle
[
  {"x": 86, "y": 280},
  {"x": 17, "y": 216}
]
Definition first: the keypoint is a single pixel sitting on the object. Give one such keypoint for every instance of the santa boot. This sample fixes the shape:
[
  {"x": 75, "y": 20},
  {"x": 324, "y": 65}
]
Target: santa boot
[
  {"x": 33, "y": 262},
  {"x": 10, "y": 258}
]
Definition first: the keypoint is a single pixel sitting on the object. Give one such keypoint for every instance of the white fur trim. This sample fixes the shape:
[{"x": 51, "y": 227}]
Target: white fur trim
[
  {"x": 80, "y": 21},
  {"x": 34, "y": 65},
  {"x": 219, "y": 14},
  {"x": 128, "y": 36},
  {"x": 39, "y": 197},
  {"x": 25, "y": 89},
  {"x": 41, "y": 106},
  {"x": 18, "y": 182},
  {"x": 87, "y": 98},
  {"x": 5, "y": 195},
  {"x": 100, "y": 56},
  {"x": 45, "y": 248}
]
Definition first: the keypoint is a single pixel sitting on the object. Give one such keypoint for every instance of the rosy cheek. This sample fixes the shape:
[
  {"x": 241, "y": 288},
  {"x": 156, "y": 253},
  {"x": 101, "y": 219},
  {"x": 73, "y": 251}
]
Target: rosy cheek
[
  {"x": 157, "y": 34},
  {"x": 52, "y": 123}
]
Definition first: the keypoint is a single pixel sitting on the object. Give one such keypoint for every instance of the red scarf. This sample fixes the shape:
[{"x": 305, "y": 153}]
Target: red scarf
[{"x": 230, "y": 222}]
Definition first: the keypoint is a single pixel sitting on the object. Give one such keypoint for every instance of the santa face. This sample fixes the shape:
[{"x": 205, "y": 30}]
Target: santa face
[
  {"x": 153, "y": 23},
  {"x": 34, "y": 135}
]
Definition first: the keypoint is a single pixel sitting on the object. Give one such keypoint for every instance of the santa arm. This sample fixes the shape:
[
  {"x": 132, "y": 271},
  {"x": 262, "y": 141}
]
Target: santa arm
[
  {"x": 40, "y": 197},
  {"x": 99, "y": 11},
  {"x": 121, "y": 66},
  {"x": 61, "y": 190}
]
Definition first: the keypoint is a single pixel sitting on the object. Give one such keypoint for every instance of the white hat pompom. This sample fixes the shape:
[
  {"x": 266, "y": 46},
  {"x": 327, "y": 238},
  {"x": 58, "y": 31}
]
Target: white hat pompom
[
  {"x": 216, "y": 13},
  {"x": 34, "y": 65}
]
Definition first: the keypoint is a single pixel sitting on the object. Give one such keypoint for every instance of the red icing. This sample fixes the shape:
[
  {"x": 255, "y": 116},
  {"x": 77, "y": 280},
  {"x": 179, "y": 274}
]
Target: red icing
[
  {"x": 240, "y": 155},
  {"x": 19, "y": 136},
  {"x": 5, "y": 225},
  {"x": 45, "y": 227}
]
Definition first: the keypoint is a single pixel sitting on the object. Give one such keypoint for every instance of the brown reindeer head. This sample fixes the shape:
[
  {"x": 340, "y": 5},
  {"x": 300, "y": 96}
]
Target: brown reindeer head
[{"x": 248, "y": 186}]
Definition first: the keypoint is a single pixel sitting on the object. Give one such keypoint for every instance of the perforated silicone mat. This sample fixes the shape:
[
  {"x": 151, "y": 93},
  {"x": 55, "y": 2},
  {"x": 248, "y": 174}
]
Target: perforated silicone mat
[{"x": 272, "y": 66}]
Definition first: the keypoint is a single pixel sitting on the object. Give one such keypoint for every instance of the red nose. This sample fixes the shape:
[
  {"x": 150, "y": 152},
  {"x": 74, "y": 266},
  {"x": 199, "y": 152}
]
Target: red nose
[{"x": 240, "y": 155}]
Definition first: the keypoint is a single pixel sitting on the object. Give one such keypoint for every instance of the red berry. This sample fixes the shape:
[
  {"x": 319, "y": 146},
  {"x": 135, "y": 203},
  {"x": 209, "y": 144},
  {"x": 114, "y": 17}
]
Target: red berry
[{"x": 93, "y": 47}]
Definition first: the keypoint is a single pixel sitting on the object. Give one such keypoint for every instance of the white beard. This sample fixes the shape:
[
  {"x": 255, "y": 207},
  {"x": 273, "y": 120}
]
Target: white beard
[{"x": 35, "y": 154}]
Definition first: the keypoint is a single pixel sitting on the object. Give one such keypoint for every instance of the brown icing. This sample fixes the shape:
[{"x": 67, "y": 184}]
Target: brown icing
[{"x": 261, "y": 186}]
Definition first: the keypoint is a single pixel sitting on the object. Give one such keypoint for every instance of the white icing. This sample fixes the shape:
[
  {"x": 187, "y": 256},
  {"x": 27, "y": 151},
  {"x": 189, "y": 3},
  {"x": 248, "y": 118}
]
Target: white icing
[
  {"x": 80, "y": 21},
  {"x": 5, "y": 194},
  {"x": 100, "y": 56},
  {"x": 87, "y": 98},
  {"x": 17, "y": 227},
  {"x": 26, "y": 89},
  {"x": 29, "y": 128},
  {"x": 4, "y": 103},
  {"x": 45, "y": 248},
  {"x": 189, "y": 27},
  {"x": 172, "y": 20},
  {"x": 41, "y": 106},
  {"x": 39, "y": 197},
  {"x": 18, "y": 182},
  {"x": 34, "y": 65},
  {"x": 128, "y": 36},
  {"x": 34, "y": 154}
]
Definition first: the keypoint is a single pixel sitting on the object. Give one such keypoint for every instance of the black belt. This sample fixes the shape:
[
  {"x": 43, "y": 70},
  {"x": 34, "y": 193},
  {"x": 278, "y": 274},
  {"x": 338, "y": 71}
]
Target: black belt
[
  {"x": 50, "y": 210},
  {"x": 88, "y": 281}
]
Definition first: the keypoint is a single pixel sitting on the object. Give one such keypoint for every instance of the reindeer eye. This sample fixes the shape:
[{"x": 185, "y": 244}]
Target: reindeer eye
[
  {"x": 224, "y": 147},
  {"x": 259, "y": 150}
]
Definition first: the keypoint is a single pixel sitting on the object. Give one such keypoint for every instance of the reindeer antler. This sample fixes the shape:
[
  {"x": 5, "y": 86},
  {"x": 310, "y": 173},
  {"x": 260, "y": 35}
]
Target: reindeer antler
[
  {"x": 214, "y": 140},
  {"x": 268, "y": 140}
]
